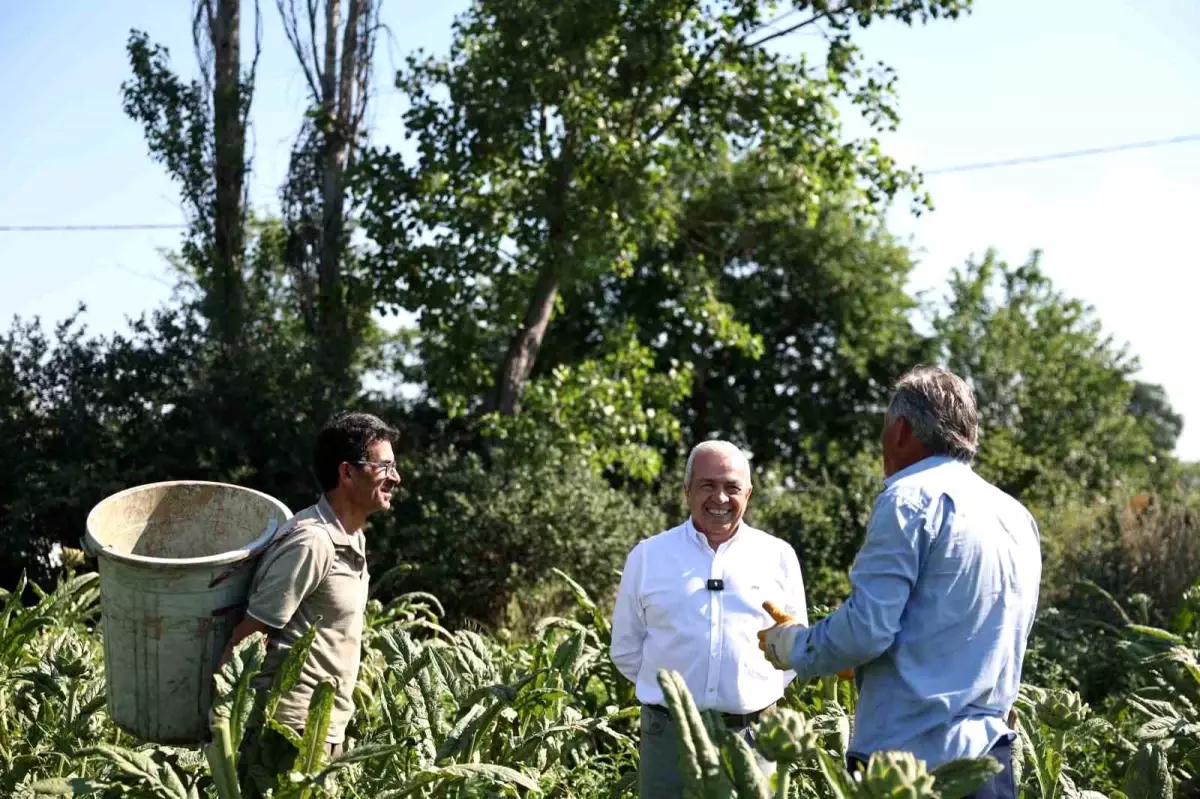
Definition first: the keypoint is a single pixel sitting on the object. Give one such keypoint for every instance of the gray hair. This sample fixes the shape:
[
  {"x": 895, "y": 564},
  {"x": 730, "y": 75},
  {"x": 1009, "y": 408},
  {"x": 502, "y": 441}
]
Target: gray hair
[
  {"x": 716, "y": 445},
  {"x": 940, "y": 408}
]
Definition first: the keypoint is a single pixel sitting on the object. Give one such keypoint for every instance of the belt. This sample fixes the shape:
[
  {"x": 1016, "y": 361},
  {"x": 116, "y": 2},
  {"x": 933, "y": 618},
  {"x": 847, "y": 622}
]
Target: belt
[{"x": 732, "y": 720}]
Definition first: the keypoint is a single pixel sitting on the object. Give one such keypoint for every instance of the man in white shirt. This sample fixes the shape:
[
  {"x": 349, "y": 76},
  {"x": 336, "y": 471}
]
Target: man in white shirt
[{"x": 691, "y": 600}]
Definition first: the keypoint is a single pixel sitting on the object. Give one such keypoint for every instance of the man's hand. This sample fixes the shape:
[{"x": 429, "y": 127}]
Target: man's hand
[
  {"x": 777, "y": 642},
  {"x": 247, "y": 627}
]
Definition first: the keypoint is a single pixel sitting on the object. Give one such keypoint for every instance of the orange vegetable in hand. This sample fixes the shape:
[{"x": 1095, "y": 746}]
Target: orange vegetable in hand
[{"x": 779, "y": 617}]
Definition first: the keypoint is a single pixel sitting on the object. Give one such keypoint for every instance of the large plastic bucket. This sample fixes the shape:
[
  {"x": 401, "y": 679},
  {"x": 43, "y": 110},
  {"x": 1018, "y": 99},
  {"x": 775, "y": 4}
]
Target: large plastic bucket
[{"x": 175, "y": 561}]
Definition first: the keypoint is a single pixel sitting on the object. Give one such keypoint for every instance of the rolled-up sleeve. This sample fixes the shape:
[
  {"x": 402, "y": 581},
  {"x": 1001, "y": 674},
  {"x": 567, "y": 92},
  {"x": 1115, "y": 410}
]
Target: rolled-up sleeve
[
  {"x": 629, "y": 619},
  {"x": 881, "y": 580},
  {"x": 288, "y": 573}
]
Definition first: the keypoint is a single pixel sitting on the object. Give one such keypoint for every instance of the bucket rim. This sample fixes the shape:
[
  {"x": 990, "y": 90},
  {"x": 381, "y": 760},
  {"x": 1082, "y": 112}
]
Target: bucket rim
[{"x": 220, "y": 559}]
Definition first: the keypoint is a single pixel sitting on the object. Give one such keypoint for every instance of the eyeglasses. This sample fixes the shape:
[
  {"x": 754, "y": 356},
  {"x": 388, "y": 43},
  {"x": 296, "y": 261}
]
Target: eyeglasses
[{"x": 387, "y": 466}]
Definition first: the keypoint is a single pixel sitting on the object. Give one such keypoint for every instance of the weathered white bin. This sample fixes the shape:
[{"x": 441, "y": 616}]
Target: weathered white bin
[{"x": 175, "y": 562}]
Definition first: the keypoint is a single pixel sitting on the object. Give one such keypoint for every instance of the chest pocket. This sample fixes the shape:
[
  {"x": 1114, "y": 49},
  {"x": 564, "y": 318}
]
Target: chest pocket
[{"x": 744, "y": 596}]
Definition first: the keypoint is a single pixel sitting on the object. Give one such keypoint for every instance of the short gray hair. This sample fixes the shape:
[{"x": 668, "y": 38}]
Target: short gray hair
[
  {"x": 940, "y": 408},
  {"x": 716, "y": 445}
]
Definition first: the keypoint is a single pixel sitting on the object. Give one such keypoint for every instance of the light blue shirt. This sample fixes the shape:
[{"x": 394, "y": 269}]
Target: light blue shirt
[{"x": 944, "y": 592}]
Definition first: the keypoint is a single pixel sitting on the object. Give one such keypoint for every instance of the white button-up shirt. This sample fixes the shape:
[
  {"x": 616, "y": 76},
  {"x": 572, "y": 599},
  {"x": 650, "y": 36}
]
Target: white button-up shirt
[{"x": 666, "y": 617}]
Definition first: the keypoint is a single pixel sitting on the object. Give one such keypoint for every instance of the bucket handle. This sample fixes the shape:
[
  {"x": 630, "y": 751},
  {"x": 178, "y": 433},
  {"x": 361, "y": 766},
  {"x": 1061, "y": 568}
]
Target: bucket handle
[{"x": 271, "y": 528}]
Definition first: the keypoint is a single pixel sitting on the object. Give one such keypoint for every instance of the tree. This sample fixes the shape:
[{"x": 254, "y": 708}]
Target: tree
[
  {"x": 198, "y": 131},
  {"x": 794, "y": 330},
  {"x": 1150, "y": 405},
  {"x": 336, "y": 57},
  {"x": 85, "y": 416},
  {"x": 1054, "y": 391},
  {"x": 484, "y": 536},
  {"x": 550, "y": 141}
]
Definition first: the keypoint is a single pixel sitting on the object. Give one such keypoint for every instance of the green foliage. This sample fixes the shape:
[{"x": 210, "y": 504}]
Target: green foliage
[
  {"x": 236, "y": 698},
  {"x": 89, "y": 415},
  {"x": 816, "y": 516},
  {"x": 794, "y": 330},
  {"x": 717, "y": 763},
  {"x": 648, "y": 227},
  {"x": 1143, "y": 549},
  {"x": 176, "y": 118},
  {"x": 551, "y": 142},
  {"x": 1054, "y": 392},
  {"x": 614, "y": 411},
  {"x": 454, "y": 714},
  {"x": 489, "y": 532},
  {"x": 1151, "y": 407},
  {"x": 1149, "y": 774}
]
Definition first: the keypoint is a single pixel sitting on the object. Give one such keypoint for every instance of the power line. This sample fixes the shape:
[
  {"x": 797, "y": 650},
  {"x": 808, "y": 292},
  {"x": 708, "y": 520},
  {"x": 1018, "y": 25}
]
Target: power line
[
  {"x": 1035, "y": 159},
  {"x": 60, "y": 228}
]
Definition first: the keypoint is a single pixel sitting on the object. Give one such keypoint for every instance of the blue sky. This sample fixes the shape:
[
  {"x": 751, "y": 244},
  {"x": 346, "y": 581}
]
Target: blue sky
[{"x": 1015, "y": 78}]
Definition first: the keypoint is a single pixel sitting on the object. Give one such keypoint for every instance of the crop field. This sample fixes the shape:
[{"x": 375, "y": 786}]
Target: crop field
[{"x": 458, "y": 714}]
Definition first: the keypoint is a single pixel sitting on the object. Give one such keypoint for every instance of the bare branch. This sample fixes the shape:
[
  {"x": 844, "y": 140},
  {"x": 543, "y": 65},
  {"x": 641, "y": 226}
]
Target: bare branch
[
  {"x": 291, "y": 28},
  {"x": 370, "y": 27},
  {"x": 349, "y": 71},
  {"x": 203, "y": 20},
  {"x": 329, "y": 76},
  {"x": 792, "y": 29},
  {"x": 252, "y": 73},
  {"x": 313, "y": 6}
]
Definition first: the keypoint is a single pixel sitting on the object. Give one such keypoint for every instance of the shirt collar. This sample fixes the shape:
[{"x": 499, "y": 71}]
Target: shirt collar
[
  {"x": 333, "y": 524},
  {"x": 923, "y": 465},
  {"x": 699, "y": 537}
]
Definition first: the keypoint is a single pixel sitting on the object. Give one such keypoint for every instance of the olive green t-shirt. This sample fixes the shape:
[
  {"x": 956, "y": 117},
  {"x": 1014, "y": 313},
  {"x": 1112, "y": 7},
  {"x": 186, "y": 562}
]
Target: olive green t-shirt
[{"x": 314, "y": 574}]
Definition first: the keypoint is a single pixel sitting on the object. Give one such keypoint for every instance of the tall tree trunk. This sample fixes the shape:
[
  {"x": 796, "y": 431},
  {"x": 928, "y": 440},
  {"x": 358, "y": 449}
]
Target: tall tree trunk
[
  {"x": 338, "y": 84},
  {"x": 229, "y": 139},
  {"x": 523, "y": 349},
  {"x": 329, "y": 262}
]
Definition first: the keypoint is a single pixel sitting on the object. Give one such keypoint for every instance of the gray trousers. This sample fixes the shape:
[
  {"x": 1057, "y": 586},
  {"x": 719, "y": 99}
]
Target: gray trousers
[{"x": 658, "y": 771}]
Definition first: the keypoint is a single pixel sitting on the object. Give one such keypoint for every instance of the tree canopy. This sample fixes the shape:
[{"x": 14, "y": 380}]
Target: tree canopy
[{"x": 627, "y": 227}]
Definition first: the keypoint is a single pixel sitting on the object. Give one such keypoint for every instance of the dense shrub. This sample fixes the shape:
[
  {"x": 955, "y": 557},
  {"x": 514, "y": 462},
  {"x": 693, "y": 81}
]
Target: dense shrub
[
  {"x": 485, "y": 535},
  {"x": 1145, "y": 544},
  {"x": 823, "y": 517}
]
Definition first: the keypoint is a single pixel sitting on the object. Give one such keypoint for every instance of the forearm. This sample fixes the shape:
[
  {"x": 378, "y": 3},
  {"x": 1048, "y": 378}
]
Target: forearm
[
  {"x": 838, "y": 643},
  {"x": 628, "y": 624},
  {"x": 625, "y": 650},
  {"x": 245, "y": 628},
  {"x": 884, "y": 573}
]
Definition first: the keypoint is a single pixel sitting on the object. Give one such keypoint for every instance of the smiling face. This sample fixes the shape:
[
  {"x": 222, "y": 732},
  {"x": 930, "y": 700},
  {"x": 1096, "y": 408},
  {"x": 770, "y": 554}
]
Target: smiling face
[
  {"x": 370, "y": 485},
  {"x": 717, "y": 494}
]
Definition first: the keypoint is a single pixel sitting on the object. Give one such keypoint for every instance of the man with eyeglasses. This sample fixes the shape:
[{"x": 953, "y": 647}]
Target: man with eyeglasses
[{"x": 314, "y": 574}]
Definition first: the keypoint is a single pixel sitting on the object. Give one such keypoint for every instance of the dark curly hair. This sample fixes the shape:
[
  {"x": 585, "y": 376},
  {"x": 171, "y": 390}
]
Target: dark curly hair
[{"x": 346, "y": 438}]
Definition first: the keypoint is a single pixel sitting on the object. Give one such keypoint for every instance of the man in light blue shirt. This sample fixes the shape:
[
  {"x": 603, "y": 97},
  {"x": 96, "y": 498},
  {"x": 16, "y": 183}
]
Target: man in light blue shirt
[{"x": 944, "y": 592}]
